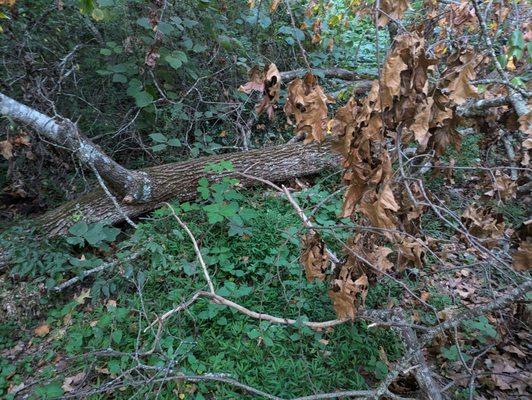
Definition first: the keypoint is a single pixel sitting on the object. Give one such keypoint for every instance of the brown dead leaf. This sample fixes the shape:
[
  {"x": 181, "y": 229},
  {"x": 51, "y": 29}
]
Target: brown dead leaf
[
  {"x": 6, "y": 149},
  {"x": 314, "y": 257},
  {"x": 346, "y": 295},
  {"x": 307, "y": 103},
  {"x": 80, "y": 299},
  {"x": 42, "y": 330},
  {"x": 70, "y": 382},
  {"x": 273, "y": 5},
  {"x": 379, "y": 258},
  {"x": 504, "y": 186},
  {"x": 482, "y": 223},
  {"x": 522, "y": 258},
  {"x": 463, "y": 72},
  {"x": 391, "y": 9},
  {"x": 256, "y": 81},
  {"x": 268, "y": 82},
  {"x": 421, "y": 124}
]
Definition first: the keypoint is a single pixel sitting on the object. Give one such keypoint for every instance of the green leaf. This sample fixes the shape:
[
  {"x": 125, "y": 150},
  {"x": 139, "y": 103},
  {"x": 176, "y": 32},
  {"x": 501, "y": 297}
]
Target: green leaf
[
  {"x": 114, "y": 366},
  {"x": 79, "y": 229},
  {"x": 199, "y": 48},
  {"x": 203, "y": 182},
  {"x": 119, "y": 78},
  {"x": 86, "y": 6},
  {"x": 52, "y": 390},
  {"x": 180, "y": 55},
  {"x": 134, "y": 86},
  {"x": 144, "y": 22},
  {"x": 159, "y": 147},
  {"x": 97, "y": 14},
  {"x": 75, "y": 241},
  {"x": 165, "y": 28},
  {"x": 225, "y": 41},
  {"x": 110, "y": 233},
  {"x": 187, "y": 43},
  {"x": 253, "y": 334},
  {"x": 517, "y": 39},
  {"x": 117, "y": 336},
  {"x": 174, "y": 142},
  {"x": 105, "y": 52},
  {"x": 265, "y": 21},
  {"x": 143, "y": 99},
  {"x": 175, "y": 63},
  {"x": 158, "y": 137},
  {"x": 94, "y": 235},
  {"x": 213, "y": 218}
]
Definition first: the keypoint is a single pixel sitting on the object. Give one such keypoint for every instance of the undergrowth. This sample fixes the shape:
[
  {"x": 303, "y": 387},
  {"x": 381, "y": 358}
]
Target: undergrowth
[{"x": 250, "y": 242}]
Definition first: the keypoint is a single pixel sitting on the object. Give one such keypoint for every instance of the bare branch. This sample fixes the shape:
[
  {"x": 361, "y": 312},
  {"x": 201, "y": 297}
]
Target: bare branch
[
  {"x": 130, "y": 184},
  {"x": 196, "y": 247}
]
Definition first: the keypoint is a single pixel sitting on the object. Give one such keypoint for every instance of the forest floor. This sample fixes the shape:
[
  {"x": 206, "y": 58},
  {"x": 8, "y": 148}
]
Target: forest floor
[{"x": 97, "y": 338}]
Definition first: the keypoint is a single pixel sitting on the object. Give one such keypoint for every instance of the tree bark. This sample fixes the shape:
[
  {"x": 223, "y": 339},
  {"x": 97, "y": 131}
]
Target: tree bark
[
  {"x": 179, "y": 181},
  {"x": 130, "y": 185},
  {"x": 338, "y": 73}
]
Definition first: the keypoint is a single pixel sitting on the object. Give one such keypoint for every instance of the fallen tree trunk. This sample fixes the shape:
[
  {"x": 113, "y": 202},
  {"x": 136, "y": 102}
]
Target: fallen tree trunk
[
  {"x": 179, "y": 181},
  {"x": 335, "y": 73}
]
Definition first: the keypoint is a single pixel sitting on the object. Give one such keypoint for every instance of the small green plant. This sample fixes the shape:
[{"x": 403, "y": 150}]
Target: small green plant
[{"x": 97, "y": 235}]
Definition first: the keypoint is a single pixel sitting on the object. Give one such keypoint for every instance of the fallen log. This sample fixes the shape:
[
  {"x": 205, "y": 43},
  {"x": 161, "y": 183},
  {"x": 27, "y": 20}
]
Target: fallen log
[
  {"x": 335, "y": 73},
  {"x": 179, "y": 181}
]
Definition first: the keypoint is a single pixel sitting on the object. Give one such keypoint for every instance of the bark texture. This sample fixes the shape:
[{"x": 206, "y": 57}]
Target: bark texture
[
  {"x": 337, "y": 73},
  {"x": 179, "y": 181}
]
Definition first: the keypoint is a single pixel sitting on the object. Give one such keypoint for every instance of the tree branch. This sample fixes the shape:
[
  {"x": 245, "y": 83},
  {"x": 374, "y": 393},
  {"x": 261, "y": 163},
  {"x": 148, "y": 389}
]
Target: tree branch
[{"x": 132, "y": 185}]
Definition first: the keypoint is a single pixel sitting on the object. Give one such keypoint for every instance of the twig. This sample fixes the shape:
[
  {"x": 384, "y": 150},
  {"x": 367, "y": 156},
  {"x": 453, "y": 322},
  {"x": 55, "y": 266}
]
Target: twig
[
  {"x": 515, "y": 97},
  {"x": 502, "y": 82},
  {"x": 497, "y": 304},
  {"x": 84, "y": 274},
  {"x": 293, "y": 21},
  {"x": 111, "y": 197},
  {"x": 307, "y": 222},
  {"x": 380, "y": 315},
  {"x": 196, "y": 247}
]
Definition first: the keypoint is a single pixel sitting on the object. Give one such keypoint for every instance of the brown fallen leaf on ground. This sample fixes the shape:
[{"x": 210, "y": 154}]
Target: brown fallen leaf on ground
[
  {"x": 314, "y": 257},
  {"x": 42, "y": 330}
]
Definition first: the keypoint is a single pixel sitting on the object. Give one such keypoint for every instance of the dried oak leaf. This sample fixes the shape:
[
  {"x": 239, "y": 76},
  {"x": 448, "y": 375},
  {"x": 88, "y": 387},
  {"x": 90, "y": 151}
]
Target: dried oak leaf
[
  {"x": 307, "y": 103},
  {"x": 481, "y": 223},
  {"x": 379, "y": 258},
  {"x": 6, "y": 149},
  {"x": 522, "y": 258},
  {"x": 70, "y": 382},
  {"x": 391, "y": 9},
  {"x": 391, "y": 78},
  {"x": 272, "y": 88},
  {"x": 273, "y": 5},
  {"x": 345, "y": 295},
  {"x": 460, "y": 73},
  {"x": 267, "y": 82},
  {"x": 410, "y": 251},
  {"x": 378, "y": 206},
  {"x": 42, "y": 330},
  {"x": 422, "y": 123},
  {"x": 256, "y": 81},
  {"x": 504, "y": 186},
  {"x": 314, "y": 256}
]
